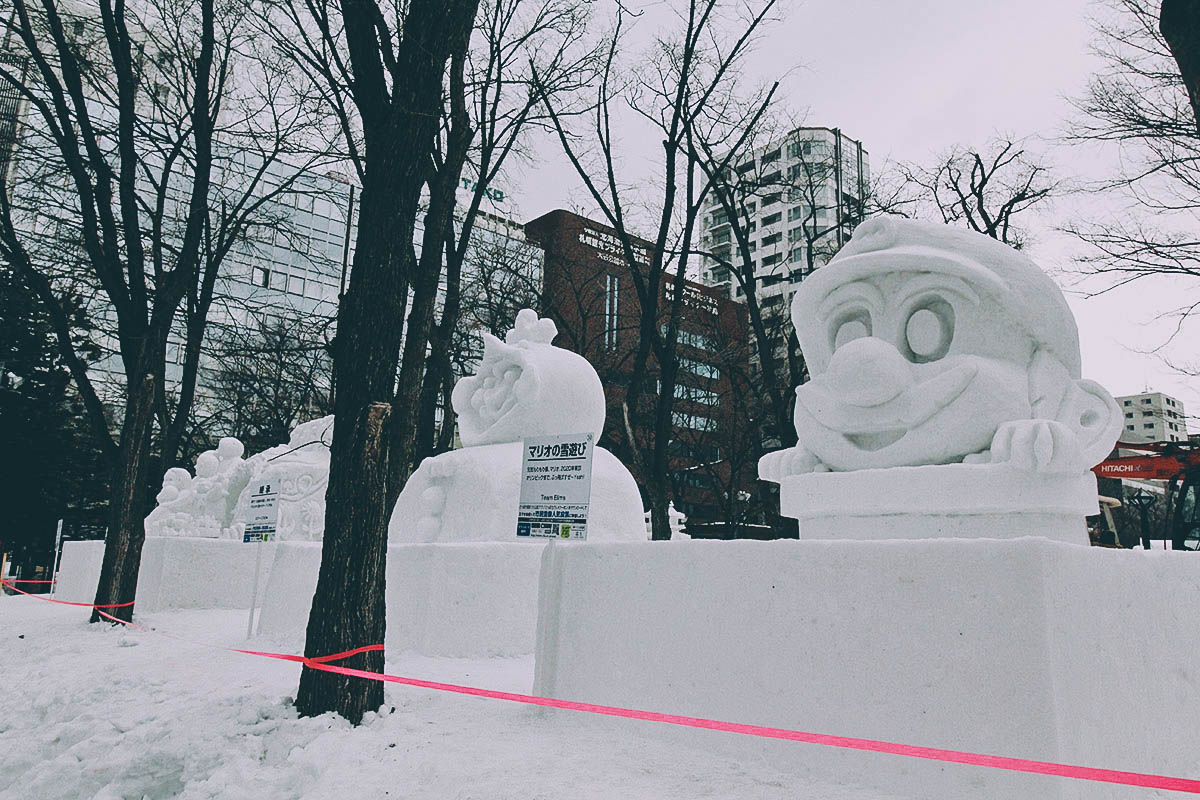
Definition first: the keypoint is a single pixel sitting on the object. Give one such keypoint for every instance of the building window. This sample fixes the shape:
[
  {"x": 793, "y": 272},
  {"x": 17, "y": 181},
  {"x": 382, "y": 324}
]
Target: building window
[
  {"x": 772, "y": 219},
  {"x": 771, "y": 156},
  {"x": 1145, "y": 401},
  {"x": 699, "y": 368},
  {"x": 1129, "y": 427},
  {"x": 1129, "y": 415},
  {"x": 1128, "y": 402},
  {"x": 262, "y": 277},
  {"x": 772, "y": 239},
  {"x": 772, "y": 259},
  {"x": 770, "y": 200},
  {"x": 1148, "y": 425},
  {"x": 1147, "y": 413},
  {"x": 611, "y": 296}
]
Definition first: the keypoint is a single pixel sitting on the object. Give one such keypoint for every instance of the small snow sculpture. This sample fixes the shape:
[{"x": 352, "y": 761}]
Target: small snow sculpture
[
  {"x": 945, "y": 394},
  {"x": 524, "y": 386},
  {"x": 302, "y": 469},
  {"x": 199, "y": 506}
]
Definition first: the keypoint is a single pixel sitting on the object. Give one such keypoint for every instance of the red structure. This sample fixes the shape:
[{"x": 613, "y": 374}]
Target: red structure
[
  {"x": 1177, "y": 463},
  {"x": 588, "y": 290}
]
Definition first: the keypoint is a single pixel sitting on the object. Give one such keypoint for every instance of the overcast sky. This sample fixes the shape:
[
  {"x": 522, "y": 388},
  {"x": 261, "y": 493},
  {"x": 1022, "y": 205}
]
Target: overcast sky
[{"x": 909, "y": 79}]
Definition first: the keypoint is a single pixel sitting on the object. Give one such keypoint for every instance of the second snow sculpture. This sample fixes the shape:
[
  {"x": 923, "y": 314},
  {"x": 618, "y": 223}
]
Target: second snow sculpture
[
  {"x": 946, "y": 397},
  {"x": 524, "y": 386}
]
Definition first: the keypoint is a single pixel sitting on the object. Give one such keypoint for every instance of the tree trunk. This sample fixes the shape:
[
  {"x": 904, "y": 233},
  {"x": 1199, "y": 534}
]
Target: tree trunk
[
  {"x": 127, "y": 507},
  {"x": 348, "y": 608},
  {"x": 1179, "y": 23}
]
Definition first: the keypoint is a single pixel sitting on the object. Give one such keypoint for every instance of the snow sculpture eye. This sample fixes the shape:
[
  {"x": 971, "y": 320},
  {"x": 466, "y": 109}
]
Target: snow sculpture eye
[
  {"x": 855, "y": 325},
  {"x": 929, "y": 330}
]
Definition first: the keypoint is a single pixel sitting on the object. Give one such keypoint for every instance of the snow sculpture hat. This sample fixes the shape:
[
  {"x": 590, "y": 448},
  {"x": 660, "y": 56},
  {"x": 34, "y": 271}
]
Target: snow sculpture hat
[
  {"x": 1029, "y": 298},
  {"x": 526, "y": 386}
]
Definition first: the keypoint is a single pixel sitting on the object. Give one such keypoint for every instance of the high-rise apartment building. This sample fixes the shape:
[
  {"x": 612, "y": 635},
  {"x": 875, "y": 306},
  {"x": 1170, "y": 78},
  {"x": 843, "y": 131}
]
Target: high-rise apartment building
[
  {"x": 1152, "y": 417},
  {"x": 798, "y": 199}
]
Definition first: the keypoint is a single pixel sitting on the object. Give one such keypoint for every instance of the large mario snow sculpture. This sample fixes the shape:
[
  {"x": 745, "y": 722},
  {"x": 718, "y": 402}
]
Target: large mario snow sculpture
[{"x": 946, "y": 397}]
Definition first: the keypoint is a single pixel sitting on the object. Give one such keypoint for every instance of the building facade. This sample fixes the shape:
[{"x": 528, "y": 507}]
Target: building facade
[
  {"x": 800, "y": 198},
  {"x": 588, "y": 291},
  {"x": 1152, "y": 417}
]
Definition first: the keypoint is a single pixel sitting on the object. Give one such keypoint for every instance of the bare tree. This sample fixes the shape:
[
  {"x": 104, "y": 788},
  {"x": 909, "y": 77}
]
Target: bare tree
[
  {"x": 271, "y": 375},
  {"x": 140, "y": 122},
  {"x": 1144, "y": 102},
  {"x": 985, "y": 189},
  {"x": 685, "y": 91}
]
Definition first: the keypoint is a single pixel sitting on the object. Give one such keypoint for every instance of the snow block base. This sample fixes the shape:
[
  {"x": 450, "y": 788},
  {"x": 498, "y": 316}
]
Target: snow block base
[
  {"x": 1024, "y": 648},
  {"x": 465, "y": 600},
  {"x": 175, "y": 573},
  {"x": 968, "y": 501}
]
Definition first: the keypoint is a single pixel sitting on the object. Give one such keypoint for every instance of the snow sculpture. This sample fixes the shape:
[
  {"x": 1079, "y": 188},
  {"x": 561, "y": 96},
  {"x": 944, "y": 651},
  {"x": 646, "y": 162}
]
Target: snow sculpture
[
  {"x": 199, "y": 506},
  {"x": 302, "y": 469},
  {"x": 946, "y": 397},
  {"x": 524, "y": 386}
]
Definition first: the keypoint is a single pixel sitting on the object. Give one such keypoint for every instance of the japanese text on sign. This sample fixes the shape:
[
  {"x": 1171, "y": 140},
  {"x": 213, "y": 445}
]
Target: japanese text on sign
[
  {"x": 263, "y": 512},
  {"x": 556, "y": 486}
]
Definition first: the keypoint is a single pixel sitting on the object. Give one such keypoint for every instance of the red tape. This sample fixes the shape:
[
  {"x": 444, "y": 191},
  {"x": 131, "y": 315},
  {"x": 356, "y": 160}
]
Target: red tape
[
  {"x": 1141, "y": 779},
  {"x": 10, "y": 585}
]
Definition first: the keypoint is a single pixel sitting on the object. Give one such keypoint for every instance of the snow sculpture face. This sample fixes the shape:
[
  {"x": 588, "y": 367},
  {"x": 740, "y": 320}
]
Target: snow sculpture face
[
  {"x": 207, "y": 464},
  {"x": 931, "y": 345},
  {"x": 229, "y": 449},
  {"x": 527, "y": 387},
  {"x": 174, "y": 482}
]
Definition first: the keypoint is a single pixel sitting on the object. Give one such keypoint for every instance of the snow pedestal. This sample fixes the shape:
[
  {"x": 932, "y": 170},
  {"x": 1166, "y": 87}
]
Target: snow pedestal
[
  {"x": 176, "y": 572},
  {"x": 466, "y": 600},
  {"x": 993, "y": 501},
  {"x": 1025, "y": 648}
]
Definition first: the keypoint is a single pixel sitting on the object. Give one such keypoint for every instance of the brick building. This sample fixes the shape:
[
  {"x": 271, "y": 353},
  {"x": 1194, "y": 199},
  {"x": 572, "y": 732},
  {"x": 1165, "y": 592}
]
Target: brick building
[{"x": 588, "y": 290}]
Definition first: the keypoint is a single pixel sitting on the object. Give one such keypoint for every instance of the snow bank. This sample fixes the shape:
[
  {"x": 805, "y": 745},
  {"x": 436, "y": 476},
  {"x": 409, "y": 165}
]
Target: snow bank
[
  {"x": 454, "y": 600},
  {"x": 1024, "y": 648},
  {"x": 176, "y": 572}
]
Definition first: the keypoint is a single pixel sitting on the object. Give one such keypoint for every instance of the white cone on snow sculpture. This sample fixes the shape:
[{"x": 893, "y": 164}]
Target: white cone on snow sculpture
[
  {"x": 524, "y": 386},
  {"x": 946, "y": 397}
]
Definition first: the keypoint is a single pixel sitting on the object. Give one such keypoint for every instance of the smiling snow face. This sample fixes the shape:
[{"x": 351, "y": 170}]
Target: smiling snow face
[
  {"x": 525, "y": 386},
  {"x": 925, "y": 341}
]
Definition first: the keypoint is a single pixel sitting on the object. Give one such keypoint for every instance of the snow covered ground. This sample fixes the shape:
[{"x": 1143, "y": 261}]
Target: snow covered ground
[{"x": 90, "y": 711}]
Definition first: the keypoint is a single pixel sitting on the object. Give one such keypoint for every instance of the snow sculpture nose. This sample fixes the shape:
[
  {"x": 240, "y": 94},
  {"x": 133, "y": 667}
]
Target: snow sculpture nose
[{"x": 868, "y": 372}]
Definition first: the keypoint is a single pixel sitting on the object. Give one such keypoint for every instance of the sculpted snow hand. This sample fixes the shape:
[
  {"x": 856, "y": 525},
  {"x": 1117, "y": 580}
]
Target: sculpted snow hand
[{"x": 932, "y": 345}]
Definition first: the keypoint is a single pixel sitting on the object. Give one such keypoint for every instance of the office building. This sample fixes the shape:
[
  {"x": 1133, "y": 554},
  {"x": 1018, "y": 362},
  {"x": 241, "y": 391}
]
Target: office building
[
  {"x": 1152, "y": 417},
  {"x": 589, "y": 293}
]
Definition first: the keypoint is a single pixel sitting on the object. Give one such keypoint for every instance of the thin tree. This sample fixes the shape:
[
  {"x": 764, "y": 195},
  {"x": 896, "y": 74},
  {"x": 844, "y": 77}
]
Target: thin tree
[
  {"x": 985, "y": 189},
  {"x": 1146, "y": 102},
  {"x": 133, "y": 111},
  {"x": 385, "y": 72},
  {"x": 686, "y": 89}
]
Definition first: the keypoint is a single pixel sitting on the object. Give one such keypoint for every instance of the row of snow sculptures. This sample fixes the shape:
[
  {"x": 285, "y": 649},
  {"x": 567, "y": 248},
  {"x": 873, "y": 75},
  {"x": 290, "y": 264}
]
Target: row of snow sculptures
[
  {"x": 206, "y": 504},
  {"x": 524, "y": 387},
  {"x": 946, "y": 397},
  {"x": 215, "y": 502}
]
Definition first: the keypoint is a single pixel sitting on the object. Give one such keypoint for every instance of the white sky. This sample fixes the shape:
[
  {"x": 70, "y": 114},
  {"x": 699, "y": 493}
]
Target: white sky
[{"x": 910, "y": 79}]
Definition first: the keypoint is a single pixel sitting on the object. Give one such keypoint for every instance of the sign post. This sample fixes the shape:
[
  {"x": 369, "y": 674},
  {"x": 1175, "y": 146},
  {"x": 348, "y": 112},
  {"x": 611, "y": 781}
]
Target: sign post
[
  {"x": 556, "y": 486},
  {"x": 57, "y": 559},
  {"x": 261, "y": 519}
]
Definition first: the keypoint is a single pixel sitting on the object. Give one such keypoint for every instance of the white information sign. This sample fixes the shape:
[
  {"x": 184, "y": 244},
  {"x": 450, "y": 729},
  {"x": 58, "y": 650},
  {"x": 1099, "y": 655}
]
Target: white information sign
[
  {"x": 263, "y": 512},
  {"x": 556, "y": 486}
]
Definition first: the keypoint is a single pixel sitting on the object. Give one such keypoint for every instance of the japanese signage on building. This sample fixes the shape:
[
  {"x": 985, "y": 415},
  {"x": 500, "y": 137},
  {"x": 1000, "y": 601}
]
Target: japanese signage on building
[
  {"x": 263, "y": 512},
  {"x": 556, "y": 486}
]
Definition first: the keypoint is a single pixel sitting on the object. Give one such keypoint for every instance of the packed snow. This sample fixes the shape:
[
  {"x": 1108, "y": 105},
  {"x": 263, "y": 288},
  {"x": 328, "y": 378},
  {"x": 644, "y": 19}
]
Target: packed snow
[{"x": 99, "y": 712}]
